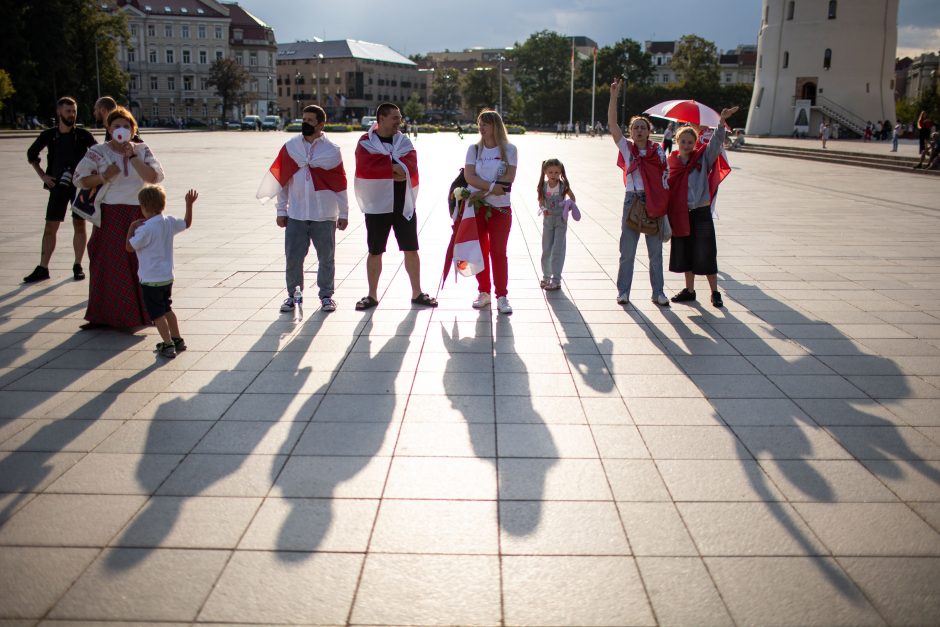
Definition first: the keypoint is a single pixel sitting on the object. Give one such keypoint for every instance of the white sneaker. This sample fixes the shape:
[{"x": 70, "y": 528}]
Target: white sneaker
[
  {"x": 482, "y": 300},
  {"x": 623, "y": 299},
  {"x": 661, "y": 300},
  {"x": 502, "y": 304}
]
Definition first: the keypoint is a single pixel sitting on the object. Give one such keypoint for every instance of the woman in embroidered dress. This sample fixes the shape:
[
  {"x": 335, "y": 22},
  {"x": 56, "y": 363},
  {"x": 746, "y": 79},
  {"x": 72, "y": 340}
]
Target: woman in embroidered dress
[
  {"x": 123, "y": 168},
  {"x": 694, "y": 250},
  {"x": 490, "y": 170},
  {"x": 644, "y": 166}
]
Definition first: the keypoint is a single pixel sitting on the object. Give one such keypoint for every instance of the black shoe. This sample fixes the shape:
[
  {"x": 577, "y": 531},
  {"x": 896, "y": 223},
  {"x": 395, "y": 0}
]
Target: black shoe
[
  {"x": 77, "y": 272},
  {"x": 685, "y": 296},
  {"x": 716, "y": 299},
  {"x": 39, "y": 274},
  {"x": 179, "y": 343}
]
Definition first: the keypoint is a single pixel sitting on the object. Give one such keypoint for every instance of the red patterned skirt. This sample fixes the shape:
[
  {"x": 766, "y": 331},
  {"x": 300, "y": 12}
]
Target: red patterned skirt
[{"x": 114, "y": 294}]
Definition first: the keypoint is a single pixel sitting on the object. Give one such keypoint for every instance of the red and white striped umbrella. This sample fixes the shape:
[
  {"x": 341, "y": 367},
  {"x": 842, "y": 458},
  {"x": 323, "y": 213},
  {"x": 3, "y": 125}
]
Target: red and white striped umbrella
[{"x": 686, "y": 111}]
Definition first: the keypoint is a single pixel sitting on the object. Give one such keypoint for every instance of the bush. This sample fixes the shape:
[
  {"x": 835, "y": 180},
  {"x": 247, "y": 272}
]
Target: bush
[
  {"x": 339, "y": 128},
  {"x": 515, "y": 129}
]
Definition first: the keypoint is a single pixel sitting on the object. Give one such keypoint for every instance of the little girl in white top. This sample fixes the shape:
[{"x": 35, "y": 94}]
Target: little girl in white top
[{"x": 553, "y": 189}]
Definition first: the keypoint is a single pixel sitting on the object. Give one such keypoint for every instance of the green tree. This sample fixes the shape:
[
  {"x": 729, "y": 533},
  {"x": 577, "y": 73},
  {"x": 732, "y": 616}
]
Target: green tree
[
  {"x": 445, "y": 90},
  {"x": 480, "y": 89},
  {"x": 229, "y": 79},
  {"x": 6, "y": 88},
  {"x": 624, "y": 58},
  {"x": 542, "y": 70},
  {"x": 413, "y": 108},
  {"x": 696, "y": 61},
  {"x": 49, "y": 48}
]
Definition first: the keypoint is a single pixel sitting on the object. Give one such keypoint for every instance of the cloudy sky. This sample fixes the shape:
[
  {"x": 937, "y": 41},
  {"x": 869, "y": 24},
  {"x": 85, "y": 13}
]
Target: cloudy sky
[{"x": 430, "y": 25}]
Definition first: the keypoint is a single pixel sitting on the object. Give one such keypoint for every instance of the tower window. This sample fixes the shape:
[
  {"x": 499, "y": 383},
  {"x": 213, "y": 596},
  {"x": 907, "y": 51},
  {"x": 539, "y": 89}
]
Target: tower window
[
  {"x": 786, "y": 59},
  {"x": 827, "y": 58},
  {"x": 832, "y": 9},
  {"x": 791, "y": 7}
]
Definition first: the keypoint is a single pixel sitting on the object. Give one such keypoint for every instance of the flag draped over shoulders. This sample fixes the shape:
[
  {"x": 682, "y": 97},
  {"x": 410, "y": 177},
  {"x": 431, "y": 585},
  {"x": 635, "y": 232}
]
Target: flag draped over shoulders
[
  {"x": 652, "y": 170},
  {"x": 374, "y": 183},
  {"x": 327, "y": 174}
]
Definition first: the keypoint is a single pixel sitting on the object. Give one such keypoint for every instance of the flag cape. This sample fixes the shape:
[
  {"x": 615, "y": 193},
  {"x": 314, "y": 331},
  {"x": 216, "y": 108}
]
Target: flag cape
[
  {"x": 373, "y": 184},
  {"x": 464, "y": 251},
  {"x": 653, "y": 172}
]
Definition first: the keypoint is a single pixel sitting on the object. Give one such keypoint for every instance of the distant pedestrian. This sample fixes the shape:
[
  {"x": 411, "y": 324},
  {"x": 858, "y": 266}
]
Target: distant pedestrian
[
  {"x": 65, "y": 146},
  {"x": 924, "y": 126},
  {"x": 459, "y": 131},
  {"x": 895, "y": 135},
  {"x": 668, "y": 134},
  {"x": 824, "y": 132},
  {"x": 866, "y": 136},
  {"x": 554, "y": 197}
]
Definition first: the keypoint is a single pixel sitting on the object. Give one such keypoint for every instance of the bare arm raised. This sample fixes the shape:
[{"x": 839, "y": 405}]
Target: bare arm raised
[{"x": 615, "y": 132}]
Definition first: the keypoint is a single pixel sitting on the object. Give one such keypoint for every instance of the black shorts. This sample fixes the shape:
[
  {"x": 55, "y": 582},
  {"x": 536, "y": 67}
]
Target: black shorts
[
  {"x": 59, "y": 198},
  {"x": 157, "y": 299},
  {"x": 378, "y": 226},
  {"x": 697, "y": 253}
]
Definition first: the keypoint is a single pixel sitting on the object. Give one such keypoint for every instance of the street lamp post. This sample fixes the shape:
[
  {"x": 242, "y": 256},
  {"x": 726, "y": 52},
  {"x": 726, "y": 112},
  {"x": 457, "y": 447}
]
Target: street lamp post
[
  {"x": 297, "y": 79},
  {"x": 500, "y": 79},
  {"x": 97, "y": 74},
  {"x": 319, "y": 60}
]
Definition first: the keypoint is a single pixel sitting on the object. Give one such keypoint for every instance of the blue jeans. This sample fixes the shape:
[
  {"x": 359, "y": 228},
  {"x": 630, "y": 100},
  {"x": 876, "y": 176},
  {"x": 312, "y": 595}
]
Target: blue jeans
[
  {"x": 554, "y": 238},
  {"x": 628, "y": 243},
  {"x": 297, "y": 238}
]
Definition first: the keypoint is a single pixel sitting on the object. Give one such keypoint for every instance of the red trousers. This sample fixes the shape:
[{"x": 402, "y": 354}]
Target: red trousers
[{"x": 494, "y": 235}]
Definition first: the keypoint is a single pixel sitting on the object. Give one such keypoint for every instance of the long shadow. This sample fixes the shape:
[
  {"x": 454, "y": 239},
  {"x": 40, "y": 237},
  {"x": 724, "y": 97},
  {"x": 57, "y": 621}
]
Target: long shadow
[
  {"x": 519, "y": 478},
  {"x": 24, "y": 470},
  {"x": 797, "y": 451},
  {"x": 592, "y": 368},
  {"x": 302, "y": 533}
]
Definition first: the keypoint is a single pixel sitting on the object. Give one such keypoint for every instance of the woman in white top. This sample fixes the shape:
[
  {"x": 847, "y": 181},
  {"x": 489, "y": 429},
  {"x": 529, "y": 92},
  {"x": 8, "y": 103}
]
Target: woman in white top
[
  {"x": 490, "y": 170},
  {"x": 122, "y": 167}
]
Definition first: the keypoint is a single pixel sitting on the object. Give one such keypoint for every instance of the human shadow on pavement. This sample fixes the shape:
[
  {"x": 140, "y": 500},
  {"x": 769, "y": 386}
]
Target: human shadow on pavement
[
  {"x": 333, "y": 452},
  {"x": 529, "y": 451},
  {"x": 219, "y": 451},
  {"x": 24, "y": 470},
  {"x": 792, "y": 370},
  {"x": 591, "y": 366}
]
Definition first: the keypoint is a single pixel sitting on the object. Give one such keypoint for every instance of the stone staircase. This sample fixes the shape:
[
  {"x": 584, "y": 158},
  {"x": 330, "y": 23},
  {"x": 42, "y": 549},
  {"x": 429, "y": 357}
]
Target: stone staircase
[{"x": 879, "y": 162}]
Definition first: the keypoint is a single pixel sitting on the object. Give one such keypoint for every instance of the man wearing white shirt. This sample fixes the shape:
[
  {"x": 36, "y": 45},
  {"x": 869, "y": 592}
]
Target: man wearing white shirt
[{"x": 311, "y": 206}]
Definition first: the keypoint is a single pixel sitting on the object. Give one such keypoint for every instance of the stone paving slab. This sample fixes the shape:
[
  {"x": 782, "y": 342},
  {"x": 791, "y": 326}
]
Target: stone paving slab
[{"x": 577, "y": 463}]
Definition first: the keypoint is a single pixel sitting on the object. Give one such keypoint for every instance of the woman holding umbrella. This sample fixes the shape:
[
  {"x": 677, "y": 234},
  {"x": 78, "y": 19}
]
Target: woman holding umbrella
[
  {"x": 644, "y": 176},
  {"x": 694, "y": 250}
]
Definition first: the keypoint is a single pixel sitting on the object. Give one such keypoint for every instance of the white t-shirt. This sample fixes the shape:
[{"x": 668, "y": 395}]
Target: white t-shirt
[
  {"x": 153, "y": 241},
  {"x": 490, "y": 167},
  {"x": 634, "y": 179}
]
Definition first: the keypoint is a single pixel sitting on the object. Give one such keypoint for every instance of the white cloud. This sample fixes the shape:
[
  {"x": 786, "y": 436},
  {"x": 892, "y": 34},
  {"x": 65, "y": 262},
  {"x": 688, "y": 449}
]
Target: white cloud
[{"x": 915, "y": 40}]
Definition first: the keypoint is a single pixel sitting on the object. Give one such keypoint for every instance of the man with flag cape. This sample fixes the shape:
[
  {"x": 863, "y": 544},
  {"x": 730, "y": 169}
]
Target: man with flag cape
[
  {"x": 309, "y": 181},
  {"x": 386, "y": 186}
]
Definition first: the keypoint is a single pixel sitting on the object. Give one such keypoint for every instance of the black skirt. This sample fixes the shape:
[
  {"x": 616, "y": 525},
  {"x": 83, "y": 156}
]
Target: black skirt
[{"x": 698, "y": 252}]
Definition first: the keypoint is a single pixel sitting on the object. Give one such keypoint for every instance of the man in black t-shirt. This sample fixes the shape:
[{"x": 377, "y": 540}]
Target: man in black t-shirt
[{"x": 65, "y": 145}]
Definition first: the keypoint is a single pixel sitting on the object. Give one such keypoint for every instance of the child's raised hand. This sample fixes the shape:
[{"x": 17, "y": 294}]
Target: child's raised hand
[{"x": 191, "y": 196}]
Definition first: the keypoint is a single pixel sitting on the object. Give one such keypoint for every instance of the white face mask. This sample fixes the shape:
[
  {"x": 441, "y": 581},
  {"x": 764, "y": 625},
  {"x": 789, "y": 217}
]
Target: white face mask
[{"x": 121, "y": 135}]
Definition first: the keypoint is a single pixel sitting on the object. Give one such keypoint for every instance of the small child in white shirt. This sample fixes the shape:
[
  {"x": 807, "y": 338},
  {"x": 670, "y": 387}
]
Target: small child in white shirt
[
  {"x": 152, "y": 239},
  {"x": 553, "y": 189}
]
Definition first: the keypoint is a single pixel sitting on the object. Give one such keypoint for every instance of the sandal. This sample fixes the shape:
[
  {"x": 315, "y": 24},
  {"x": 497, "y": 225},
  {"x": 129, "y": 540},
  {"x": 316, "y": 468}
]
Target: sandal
[
  {"x": 424, "y": 299},
  {"x": 366, "y": 302}
]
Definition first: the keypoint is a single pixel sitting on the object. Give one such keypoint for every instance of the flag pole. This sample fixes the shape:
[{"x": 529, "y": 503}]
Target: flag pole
[
  {"x": 593, "y": 86},
  {"x": 571, "y": 107}
]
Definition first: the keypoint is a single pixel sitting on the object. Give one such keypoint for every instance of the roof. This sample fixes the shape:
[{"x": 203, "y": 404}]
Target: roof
[
  {"x": 663, "y": 47},
  {"x": 341, "y": 49},
  {"x": 252, "y": 27},
  {"x": 728, "y": 59},
  {"x": 188, "y": 8}
]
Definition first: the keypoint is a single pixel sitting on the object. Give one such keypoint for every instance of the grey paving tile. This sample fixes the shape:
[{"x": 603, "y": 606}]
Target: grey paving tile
[
  {"x": 552, "y": 479},
  {"x": 717, "y": 480},
  {"x": 886, "y": 443},
  {"x": 827, "y": 481},
  {"x": 189, "y": 523},
  {"x": 142, "y": 585},
  {"x": 304, "y": 588},
  {"x": 155, "y": 436},
  {"x": 223, "y": 475},
  {"x": 541, "y": 409},
  {"x": 420, "y": 526},
  {"x": 69, "y": 520},
  {"x": 561, "y": 528},
  {"x": 736, "y": 529},
  {"x": 21, "y": 568},
  {"x": 295, "y": 524},
  {"x": 864, "y": 529},
  {"x": 439, "y": 590},
  {"x": 246, "y": 438},
  {"x": 561, "y": 590},
  {"x": 790, "y": 591},
  {"x": 849, "y": 412},
  {"x": 441, "y": 478},
  {"x": 655, "y": 529},
  {"x": 680, "y": 442},
  {"x": 453, "y": 409},
  {"x": 116, "y": 473},
  {"x": 682, "y": 592},
  {"x": 359, "y": 408},
  {"x": 672, "y": 411},
  {"x": 60, "y": 435},
  {"x": 635, "y": 480},
  {"x": 900, "y": 588},
  {"x": 329, "y": 477},
  {"x": 186, "y": 406},
  {"x": 540, "y": 440},
  {"x": 799, "y": 442},
  {"x": 447, "y": 440}
]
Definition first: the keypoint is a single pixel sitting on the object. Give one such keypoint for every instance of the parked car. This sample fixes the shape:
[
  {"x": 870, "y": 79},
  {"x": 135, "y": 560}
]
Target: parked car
[
  {"x": 251, "y": 122},
  {"x": 233, "y": 125},
  {"x": 271, "y": 123},
  {"x": 294, "y": 127},
  {"x": 366, "y": 122}
]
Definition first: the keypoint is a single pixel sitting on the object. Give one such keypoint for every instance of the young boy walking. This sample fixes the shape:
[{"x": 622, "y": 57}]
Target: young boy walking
[{"x": 152, "y": 239}]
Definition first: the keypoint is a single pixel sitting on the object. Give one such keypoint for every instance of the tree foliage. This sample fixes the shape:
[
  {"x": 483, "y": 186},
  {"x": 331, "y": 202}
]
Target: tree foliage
[
  {"x": 480, "y": 89},
  {"x": 696, "y": 60},
  {"x": 6, "y": 87},
  {"x": 445, "y": 90},
  {"x": 48, "y": 49},
  {"x": 414, "y": 110},
  {"x": 625, "y": 58},
  {"x": 229, "y": 79},
  {"x": 543, "y": 72}
]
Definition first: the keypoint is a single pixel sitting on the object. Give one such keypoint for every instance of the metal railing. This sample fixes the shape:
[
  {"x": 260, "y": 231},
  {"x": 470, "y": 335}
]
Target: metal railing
[{"x": 841, "y": 115}]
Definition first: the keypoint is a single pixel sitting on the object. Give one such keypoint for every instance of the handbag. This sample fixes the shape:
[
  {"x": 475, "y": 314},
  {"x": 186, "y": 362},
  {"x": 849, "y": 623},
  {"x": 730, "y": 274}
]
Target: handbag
[
  {"x": 640, "y": 221},
  {"x": 87, "y": 203}
]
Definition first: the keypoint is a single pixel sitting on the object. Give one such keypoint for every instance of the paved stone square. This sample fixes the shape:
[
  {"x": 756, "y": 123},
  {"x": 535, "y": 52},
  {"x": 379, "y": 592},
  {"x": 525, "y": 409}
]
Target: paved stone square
[{"x": 577, "y": 463}]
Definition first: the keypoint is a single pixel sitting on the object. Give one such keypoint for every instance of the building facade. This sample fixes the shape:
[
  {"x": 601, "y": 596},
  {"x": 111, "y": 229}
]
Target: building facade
[
  {"x": 172, "y": 46},
  {"x": 736, "y": 67},
  {"x": 921, "y": 75},
  {"x": 348, "y": 78},
  {"x": 833, "y": 59}
]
